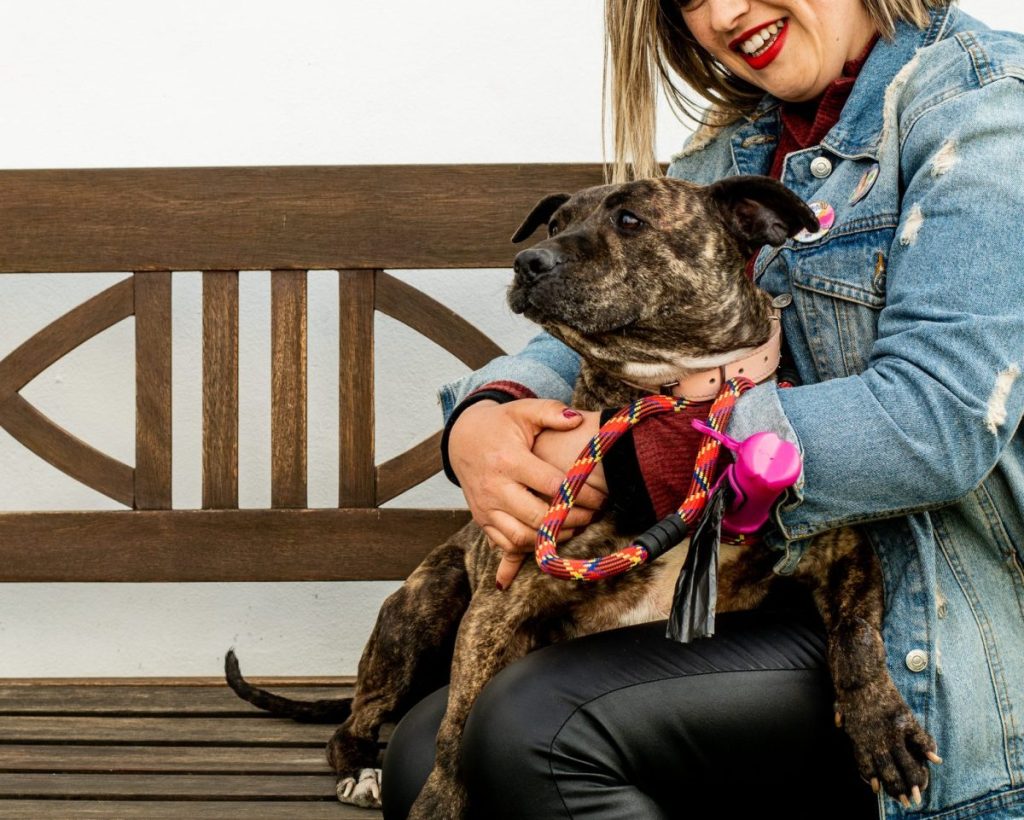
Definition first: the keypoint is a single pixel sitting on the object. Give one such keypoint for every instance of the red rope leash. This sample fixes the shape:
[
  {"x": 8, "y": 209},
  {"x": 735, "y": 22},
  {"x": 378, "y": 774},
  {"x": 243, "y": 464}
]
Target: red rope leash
[{"x": 643, "y": 548}]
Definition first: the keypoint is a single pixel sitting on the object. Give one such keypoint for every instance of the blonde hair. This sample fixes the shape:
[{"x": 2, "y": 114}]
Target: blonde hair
[{"x": 648, "y": 49}]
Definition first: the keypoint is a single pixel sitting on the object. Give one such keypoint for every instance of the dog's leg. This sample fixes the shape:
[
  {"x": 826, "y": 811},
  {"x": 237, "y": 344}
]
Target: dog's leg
[
  {"x": 891, "y": 748},
  {"x": 490, "y": 637},
  {"x": 407, "y": 657}
]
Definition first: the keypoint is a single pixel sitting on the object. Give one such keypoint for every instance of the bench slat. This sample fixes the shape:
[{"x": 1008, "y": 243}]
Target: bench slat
[
  {"x": 288, "y": 388},
  {"x": 170, "y": 787},
  {"x": 221, "y": 545},
  {"x": 356, "y": 477},
  {"x": 300, "y": 218},
  {"x": 153, "y": 390},
  {"x": 165, "y": 731},
  {"x": 192, "y": 809},
  {"x": 112, "y": 760},
  {"x": 128, "y": 700},
  {"x": 220, "y": 390}
]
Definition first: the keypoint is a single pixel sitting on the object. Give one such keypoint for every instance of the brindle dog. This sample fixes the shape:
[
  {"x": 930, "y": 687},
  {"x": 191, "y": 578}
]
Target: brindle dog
[{"x": 642, "y": 280}]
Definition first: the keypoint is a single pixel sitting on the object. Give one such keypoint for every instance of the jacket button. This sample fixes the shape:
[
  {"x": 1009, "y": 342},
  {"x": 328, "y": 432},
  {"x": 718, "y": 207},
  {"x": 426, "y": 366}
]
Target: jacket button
[
  {"x": 821, "y": 167},
  {"x": 917, "y": 660}
]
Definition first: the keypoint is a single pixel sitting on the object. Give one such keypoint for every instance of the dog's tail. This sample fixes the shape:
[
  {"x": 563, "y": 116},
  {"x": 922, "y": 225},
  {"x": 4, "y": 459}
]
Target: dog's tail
[{"x": 334, "y": 710}]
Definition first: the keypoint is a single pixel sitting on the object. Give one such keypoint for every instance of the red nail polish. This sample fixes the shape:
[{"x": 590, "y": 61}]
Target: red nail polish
[{"x": 570, "y": 414}]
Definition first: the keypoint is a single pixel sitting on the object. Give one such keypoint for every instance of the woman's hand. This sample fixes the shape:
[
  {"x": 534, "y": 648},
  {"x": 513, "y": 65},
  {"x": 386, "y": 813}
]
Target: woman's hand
[{"x": 510, "y": 460}]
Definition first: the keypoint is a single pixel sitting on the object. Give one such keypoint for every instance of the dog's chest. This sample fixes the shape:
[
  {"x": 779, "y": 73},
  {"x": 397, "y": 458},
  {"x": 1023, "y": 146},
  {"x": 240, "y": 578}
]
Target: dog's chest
[
  {"x": 655, "y": 601},
  {"x": 651, "y": 599}
]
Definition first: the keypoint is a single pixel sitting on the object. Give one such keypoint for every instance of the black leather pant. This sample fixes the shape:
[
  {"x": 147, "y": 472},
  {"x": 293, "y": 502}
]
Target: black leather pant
[{"x": 627, "y": 724}]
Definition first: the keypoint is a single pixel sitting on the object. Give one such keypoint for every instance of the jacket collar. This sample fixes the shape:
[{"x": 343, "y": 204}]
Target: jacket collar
[{"x": 858, "y": 132}]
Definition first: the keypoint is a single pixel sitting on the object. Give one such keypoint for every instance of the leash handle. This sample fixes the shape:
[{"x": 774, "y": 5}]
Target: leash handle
[{"x": 666, "y": 533}]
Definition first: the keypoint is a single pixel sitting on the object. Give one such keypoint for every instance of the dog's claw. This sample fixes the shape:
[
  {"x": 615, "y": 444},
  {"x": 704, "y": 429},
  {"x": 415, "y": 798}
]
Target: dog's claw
[
  {"x": 934, "y": 758},
  {"x": 915, "y": 793},
  {"x": 839, "y": 720},
  {"x": 876, "y": 787}
]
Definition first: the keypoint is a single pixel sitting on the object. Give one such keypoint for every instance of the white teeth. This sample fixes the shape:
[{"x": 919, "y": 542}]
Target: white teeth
[{"x": 762, "y": 39}]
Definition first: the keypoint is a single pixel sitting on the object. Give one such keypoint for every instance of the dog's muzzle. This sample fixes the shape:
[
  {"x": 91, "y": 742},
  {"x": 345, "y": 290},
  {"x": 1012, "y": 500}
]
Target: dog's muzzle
[{"x": 534, "y": 264}]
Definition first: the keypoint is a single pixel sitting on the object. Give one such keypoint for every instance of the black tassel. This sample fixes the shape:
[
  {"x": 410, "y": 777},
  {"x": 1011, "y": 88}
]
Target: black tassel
[{"x": 693, "y": 606}]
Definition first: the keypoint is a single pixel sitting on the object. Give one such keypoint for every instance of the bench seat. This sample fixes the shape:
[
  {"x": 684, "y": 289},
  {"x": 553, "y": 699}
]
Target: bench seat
[{"x": 169, "y": 749}]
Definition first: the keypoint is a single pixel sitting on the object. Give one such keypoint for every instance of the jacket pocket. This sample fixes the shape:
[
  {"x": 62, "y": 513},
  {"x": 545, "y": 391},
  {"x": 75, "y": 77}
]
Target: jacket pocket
[{"x": 838, "y": 291}]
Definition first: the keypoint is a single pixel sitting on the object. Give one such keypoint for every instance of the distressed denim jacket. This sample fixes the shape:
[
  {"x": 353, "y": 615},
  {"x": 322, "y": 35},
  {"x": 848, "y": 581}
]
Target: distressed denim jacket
[{"x": 907, "y": 329}]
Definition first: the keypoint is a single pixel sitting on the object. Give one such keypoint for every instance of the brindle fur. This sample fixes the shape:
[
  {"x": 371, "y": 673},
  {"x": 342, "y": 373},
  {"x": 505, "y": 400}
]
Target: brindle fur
[{"x": 629, "y": 301}]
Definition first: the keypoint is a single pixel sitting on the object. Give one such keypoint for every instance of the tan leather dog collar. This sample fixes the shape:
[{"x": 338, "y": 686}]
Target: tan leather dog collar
[{"x": 703, "y": 385}]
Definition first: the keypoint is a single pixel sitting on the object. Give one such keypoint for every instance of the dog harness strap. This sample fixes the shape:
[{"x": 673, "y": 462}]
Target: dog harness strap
[{"x": 651, "y": 544}]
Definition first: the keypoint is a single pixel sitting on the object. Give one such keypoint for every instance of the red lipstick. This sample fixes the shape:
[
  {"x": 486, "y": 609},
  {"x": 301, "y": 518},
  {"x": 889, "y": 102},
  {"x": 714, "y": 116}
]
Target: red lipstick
[{"x": 765, "y": 58}]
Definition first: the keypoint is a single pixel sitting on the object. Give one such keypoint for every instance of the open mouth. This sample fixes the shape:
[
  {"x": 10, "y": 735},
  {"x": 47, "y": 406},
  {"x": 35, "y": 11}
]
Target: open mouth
[{"x": 760, "y": 46}]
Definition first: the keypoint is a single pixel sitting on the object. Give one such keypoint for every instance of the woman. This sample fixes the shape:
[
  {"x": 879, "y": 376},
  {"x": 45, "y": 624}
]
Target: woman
[{"x": 903, "y": 118}]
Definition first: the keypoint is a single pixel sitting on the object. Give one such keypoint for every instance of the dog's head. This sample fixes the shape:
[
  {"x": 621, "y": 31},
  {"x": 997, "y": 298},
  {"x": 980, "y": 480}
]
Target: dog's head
[{"x": 648, "y": 274}]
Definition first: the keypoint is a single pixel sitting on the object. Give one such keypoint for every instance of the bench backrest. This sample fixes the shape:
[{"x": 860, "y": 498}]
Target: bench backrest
[{"x": 357, "y": 220}]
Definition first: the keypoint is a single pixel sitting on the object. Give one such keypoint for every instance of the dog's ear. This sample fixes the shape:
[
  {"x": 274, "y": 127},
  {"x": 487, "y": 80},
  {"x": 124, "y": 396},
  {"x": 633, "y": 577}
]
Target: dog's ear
[
  {"x": 760, "y": 211},
  {"x": 540, "y": 215}
]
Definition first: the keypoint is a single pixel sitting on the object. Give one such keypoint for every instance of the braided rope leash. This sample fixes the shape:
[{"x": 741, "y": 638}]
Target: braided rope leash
[{"x": 668, "y": 532}]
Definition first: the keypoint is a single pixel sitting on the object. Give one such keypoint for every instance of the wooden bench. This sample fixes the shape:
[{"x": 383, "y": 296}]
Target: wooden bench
[{"x": 187, "y": 747}]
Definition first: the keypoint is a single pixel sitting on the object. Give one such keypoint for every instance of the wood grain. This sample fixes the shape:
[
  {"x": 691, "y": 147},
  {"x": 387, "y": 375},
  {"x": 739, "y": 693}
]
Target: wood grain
[
  {"x": 169, "y": 787},
  {"x": 220, "y": 390},
  {"x": 251, "y": 545},
  {"x": 176, "y": 810},
  {"x": 300, "y": 218},
  {"x": 356, "y": 482},
  {"x": 288, "y": 389},
  {"x": 164, "y": 731},
  {"x": 444, "y": 327},
  {"x": 69, "y": 454},
  {"x": 153, "y": 390},
  {"x": 121, "y": 699},
  {"x": 64, "y": 334},
  {"x": 408, "y": 469},
  {"x": 118, "y": 759}
]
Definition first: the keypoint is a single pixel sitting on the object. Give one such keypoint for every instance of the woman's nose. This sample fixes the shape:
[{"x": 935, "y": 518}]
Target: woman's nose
[{"x": 724, "y": 15}]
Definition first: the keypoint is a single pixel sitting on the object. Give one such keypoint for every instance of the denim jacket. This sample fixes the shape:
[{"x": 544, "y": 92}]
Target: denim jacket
[{"x": 907, "y": 329}]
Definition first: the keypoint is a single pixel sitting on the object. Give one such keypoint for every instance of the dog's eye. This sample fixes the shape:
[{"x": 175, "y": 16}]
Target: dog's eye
[{"x": 628, "y": 221}]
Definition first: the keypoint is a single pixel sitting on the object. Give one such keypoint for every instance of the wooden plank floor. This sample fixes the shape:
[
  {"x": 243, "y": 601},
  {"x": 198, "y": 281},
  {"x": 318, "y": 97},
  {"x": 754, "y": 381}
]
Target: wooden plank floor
[{"x": 161, "y": 750}]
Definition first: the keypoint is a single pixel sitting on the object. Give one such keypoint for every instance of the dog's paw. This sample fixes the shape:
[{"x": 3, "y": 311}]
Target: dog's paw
[
  {"x": 891, "y": 748},
  {"x": 361, "y": 790}
]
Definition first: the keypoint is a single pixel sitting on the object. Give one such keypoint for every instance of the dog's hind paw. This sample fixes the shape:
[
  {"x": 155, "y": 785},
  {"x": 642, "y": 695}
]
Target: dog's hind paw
[{"x": 362, "y": 790}]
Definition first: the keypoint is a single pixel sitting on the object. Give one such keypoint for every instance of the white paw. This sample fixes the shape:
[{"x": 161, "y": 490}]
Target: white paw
[{"x": 362, "y": 791}]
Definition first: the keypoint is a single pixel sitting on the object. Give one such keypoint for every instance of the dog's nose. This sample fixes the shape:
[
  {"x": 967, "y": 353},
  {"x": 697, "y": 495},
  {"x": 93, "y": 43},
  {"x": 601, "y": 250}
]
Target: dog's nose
[{"x": 534, "y": 263}]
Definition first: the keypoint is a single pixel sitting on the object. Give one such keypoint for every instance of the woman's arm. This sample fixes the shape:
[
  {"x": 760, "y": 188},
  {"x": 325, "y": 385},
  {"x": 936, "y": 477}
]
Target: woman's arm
[{"x": 941, "y": 396}]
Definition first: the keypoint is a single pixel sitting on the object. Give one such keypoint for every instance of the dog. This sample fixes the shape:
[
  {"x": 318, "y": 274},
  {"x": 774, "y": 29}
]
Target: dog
[{"x": 645, "y": 280}]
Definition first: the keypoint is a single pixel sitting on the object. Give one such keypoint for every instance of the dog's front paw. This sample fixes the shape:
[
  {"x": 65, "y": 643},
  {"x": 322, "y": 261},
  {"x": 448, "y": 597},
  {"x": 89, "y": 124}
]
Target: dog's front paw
[
  {"x": 361, "y": 790},
  {"x": 891, "y": 748}
]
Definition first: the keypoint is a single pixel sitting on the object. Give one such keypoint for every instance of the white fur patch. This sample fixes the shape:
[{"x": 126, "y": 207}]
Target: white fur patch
[
  {"x": 362, "y": 791},
  {"x": 996, "y": 415},
  {"x": 912, "y": 227},
  {"x": 675, "y": 367},
  {"x": 945, "y": 159}
]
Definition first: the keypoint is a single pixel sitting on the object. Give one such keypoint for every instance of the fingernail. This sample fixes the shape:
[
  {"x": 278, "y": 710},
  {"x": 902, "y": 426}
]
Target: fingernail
[{"x": 570, "y": 414}]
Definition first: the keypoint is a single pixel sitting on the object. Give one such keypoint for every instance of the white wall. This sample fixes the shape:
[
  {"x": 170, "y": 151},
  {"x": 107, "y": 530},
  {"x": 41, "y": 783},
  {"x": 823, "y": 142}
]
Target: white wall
[{"x": 118, "y": 83}]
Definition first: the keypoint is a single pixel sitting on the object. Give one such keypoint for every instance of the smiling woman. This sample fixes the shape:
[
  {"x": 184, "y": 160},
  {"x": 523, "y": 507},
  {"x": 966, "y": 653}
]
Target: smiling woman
[{"x": 898, "y": 122}]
